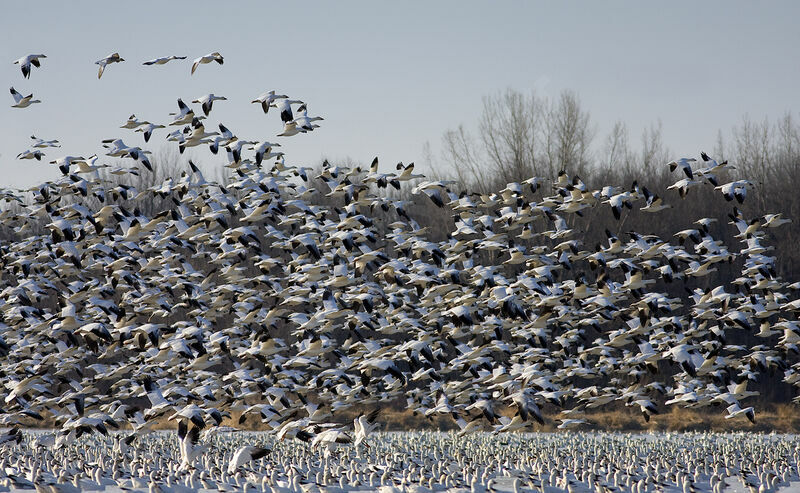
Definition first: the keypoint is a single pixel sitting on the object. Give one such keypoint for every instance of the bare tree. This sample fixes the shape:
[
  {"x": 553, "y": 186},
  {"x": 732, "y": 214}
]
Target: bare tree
[
  {"x": 520, "y": 136},
  {"x": 568, "y": 135}
]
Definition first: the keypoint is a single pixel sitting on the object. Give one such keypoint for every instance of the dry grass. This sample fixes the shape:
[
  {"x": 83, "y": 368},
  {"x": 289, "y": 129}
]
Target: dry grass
[{"x": 781, "y": 418}]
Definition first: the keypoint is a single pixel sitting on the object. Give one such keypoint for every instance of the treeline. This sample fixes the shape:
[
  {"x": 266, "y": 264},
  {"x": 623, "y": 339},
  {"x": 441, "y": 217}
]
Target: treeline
[{"x": 519, "y": 136}]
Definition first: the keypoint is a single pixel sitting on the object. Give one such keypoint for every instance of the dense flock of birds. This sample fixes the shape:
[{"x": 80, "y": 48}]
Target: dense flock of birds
[
  {"x": 419, "y": 462},
  {"x": 290, "y": 294}
]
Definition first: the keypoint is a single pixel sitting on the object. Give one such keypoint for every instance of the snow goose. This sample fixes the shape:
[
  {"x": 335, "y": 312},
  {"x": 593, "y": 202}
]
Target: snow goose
[
  {"x": 304, "y": 121},
  {"x": 184, "y": 116},
  {"x": 654, "y": 203},
  {"x": 133, "y": 122},
  {"x": 734, "y": 411},
  {"x": 211, "y": 57},
  {"x": 735, "y": 190},
  {"x": 407, "y": 172},
  {"x": 103, "y": 62},
  {"x": 21, "y": 101},
  {"x": 244, "y": 455},
  {"x": 364, "y": 425},
  {"x": 26, "y": 62},
  {"x": 683, "y": 163},
  {"x": 264, "y": 151},
  {"x": 267, "y": 99},
  {"x": 682, "y": 186},
  {"x": 42, "y": 143},
  {"x": 65, "y": 162},
  {"x": 284, "y": 106},
  {"x": 207, "y": 101},
  {"x": 162, "y": 60},
  {"x": 31, "y": 154},
  {"x": 189, "y": 449},
  {"x": 147, "y": 130},
  {"x": 290, "y": 129}
]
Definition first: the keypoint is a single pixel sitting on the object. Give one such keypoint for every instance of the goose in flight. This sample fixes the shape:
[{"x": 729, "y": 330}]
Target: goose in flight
[
  {"x": 133, "y": 122},
  {"x": 207, "y": 101},
  {"x": 112, "y": 58},
  {"x": 31, "y": 154},
  {"x": 267, "y": 99},
  {"x": 162, "y": 60},
  {"x": 285, "y": 108},
  {"x": 245, "y": 455},
  {"x": 184, "y": 116},
  {"x": 147, "y": 130},
  {"x": 26, "y": 62},
  {"x": 211, "y": 57},
  {"x": 363, "y": 425},
  {"x": 304, "y": 121},
  {"x": 21, "y": 101},
  {"x": 42, "y": 143},
  {"x": 683, "y": 163}
]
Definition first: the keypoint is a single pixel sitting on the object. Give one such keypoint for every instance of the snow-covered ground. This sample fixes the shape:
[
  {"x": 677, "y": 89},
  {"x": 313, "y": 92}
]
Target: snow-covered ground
[{"x": 412, "y": 461}]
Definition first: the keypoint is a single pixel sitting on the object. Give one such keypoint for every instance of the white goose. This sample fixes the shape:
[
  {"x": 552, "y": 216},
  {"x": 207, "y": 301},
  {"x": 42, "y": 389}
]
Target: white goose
[
  {"x": 21, "y": 101},
  {"x": 207, "y": 101},
  {"x": 26, "y": 62},
  {"x": 103, "y": 62},
  {"x": 267, "y": 99},
  {"x": 162, "y": 60},
  {"x": 211, "y": 57}
]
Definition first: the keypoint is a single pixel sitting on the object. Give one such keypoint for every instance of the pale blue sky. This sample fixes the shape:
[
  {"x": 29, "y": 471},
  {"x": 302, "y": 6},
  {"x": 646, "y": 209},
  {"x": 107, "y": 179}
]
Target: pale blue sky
[{"x": 387, "y": 77}]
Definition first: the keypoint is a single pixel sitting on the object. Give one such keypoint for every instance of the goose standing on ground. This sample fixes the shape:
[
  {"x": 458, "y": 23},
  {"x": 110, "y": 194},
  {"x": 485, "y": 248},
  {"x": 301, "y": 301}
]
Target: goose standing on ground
[
  {"x": 21, "y": 101},
  {"x": 163, "y": 60},
  {"x": 26, "y": 62},
  {"x": 211, "y": 57},
  {"x": 112, "y": 58}
]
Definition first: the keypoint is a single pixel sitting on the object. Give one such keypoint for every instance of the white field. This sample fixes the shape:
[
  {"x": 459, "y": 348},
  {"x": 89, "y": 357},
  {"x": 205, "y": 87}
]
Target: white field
[{"x": 415, "y": 461}]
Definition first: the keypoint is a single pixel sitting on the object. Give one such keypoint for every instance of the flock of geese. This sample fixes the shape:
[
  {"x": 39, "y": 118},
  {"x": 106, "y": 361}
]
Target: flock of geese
[
  {"x": 419, "y": 462},
  {"x": 288, "y": 295}
]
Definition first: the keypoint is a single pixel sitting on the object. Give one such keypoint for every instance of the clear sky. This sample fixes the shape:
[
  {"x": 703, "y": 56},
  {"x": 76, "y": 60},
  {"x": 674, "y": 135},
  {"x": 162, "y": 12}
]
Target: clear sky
[{"x": 389, "y": 76}]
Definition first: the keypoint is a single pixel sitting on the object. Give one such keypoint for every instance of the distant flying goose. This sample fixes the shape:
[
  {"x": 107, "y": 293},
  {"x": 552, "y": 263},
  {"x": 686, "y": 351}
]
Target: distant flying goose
[
  {"x": 31, "y": 154},
  {"x": 775, "y": 220},
  {"x": 184, "y": 116},
  {"x": 289, "y": 129},
  {"x": 65, "y": 162},
  {"x": 285, "y": 108},
  {"x": 407, "y": 172},
  {"x": 22, "y": 101},
  {"x": 207, "y": 101},
  {"x": 267, "y": 98},
  {"x": 211, "y": 57},
  {"x": 304, "y": 121},
  {"x": 112, "y": 58},
  {"x": 41, "y": 143},
  {"x": 685, "y": 164},
  {"x": 163, "y": 60},
  {"x": 264, "y": 150},
  {"x": 133, "y": 122},
  {"x": 26, "y": 62},
  {"x": 147, "y": 129}
]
